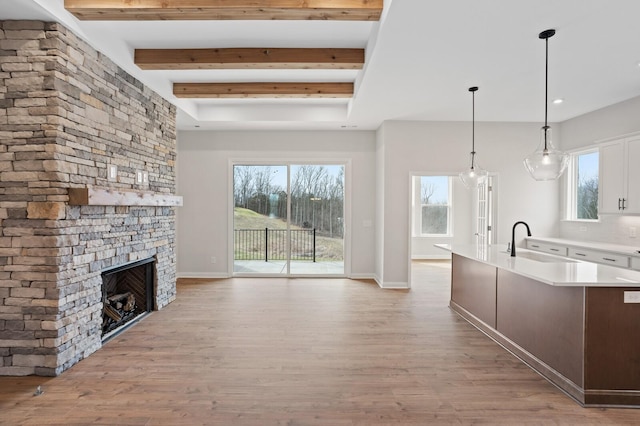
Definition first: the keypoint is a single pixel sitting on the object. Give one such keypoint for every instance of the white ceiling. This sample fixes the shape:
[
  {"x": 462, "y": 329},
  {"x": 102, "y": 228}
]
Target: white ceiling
[{"x": 421, "y": 58}]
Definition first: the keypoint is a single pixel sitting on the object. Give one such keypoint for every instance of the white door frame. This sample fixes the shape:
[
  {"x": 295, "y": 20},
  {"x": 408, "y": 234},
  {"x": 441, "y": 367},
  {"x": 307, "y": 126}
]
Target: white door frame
[{"x": 252, "y": 161}]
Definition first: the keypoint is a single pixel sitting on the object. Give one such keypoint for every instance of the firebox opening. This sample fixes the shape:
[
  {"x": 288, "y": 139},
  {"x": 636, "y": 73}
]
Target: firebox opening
[{"x": 127, "y": 295}]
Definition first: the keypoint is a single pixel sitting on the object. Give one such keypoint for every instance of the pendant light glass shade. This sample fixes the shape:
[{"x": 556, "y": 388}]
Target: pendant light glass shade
[
  {"x": 474, "y": 174},
  {"x": 546, "y": 162}
]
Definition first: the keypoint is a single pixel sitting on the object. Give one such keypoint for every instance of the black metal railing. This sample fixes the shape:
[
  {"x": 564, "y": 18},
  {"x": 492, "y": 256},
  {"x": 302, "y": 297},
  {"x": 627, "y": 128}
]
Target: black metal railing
[{"x": 271, "y": 244}]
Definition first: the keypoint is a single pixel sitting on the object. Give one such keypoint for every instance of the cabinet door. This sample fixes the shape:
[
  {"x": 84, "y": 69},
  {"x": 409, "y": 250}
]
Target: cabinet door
[
  {"x": 612, "y": 178},
  {"x": 633, "y": 176}
]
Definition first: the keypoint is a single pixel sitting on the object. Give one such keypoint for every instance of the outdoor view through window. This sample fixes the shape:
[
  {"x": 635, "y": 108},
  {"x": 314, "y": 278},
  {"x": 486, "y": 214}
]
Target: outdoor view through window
[
  {"x": 435, "y": 200},
  {"x": 289, "y": 219},
  {"x": 586, "y": 186}
]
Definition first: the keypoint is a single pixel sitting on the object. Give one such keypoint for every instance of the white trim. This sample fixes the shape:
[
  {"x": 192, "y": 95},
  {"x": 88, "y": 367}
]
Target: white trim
[
  {"x": 394, "y": 285},
  {"x": 345, "y": 162},
  {"x": 377, "y": 279},
  {"x": 208, "y": 275},
  {"x": 363, "y": 277}
]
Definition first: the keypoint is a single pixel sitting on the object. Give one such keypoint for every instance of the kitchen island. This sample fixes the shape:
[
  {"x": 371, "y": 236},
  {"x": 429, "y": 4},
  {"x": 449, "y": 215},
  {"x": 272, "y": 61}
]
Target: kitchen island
[{"x": 576, "y": 323}]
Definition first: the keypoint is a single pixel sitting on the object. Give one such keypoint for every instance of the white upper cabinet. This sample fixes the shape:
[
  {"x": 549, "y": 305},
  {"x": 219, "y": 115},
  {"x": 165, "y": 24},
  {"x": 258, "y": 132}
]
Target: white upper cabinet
[
  {"x": 619, "y": 190},
  {"x": 612, "y": 179},
  {"x": 633, "y": 175}
]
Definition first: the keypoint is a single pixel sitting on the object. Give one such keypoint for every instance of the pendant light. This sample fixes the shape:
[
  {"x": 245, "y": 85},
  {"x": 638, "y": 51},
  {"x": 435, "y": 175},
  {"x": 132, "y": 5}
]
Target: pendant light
[
  {"x": 474, "y": 173},
  {"x": 546, "y": 162}
]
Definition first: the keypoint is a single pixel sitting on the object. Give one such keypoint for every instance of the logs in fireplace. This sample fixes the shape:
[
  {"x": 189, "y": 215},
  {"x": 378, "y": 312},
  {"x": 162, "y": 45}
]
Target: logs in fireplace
[{"x": 127, "y": 295}]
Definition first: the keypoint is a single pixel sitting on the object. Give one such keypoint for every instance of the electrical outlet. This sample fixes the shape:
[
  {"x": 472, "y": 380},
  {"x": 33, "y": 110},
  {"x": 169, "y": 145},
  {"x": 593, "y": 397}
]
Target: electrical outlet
[
  {"x": 213, "y": 260},
  {"x": 139, "y": 177},
  {"x": 112, "y": 172},
  {"x": 632, "y": 297},
  {"x": 632, "y": 232},
  {"x": 145, "y": 178}
]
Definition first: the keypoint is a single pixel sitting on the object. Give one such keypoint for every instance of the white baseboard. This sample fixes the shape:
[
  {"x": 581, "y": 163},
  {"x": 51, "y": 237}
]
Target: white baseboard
[
  {"x": 363, "y": 277},
  {"x": 206, "y": 275},
  {"x": 392, "y": 285}
]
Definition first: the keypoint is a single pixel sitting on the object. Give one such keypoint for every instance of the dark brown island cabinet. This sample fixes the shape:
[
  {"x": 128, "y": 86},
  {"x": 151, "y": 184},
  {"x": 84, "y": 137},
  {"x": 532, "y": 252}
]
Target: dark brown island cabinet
[{"x": 583, "y": 338}]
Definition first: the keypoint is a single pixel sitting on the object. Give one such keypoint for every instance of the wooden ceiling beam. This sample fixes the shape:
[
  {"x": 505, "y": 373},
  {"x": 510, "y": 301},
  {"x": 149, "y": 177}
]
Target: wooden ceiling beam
[
  {"x": 263, "y": 90},
  {"x": 248, "y": 58},
  {"x": 153, "y": 10}
]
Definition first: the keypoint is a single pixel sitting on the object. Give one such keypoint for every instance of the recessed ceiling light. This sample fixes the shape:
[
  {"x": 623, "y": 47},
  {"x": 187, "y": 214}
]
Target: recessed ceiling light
[{"x": 558, "y": 101}]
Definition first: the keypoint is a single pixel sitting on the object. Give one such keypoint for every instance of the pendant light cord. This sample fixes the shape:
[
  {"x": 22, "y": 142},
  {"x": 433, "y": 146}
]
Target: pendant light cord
[
  {"x": 473, "y": 122},
  {"x": 473, "y": 125},
  {"x": 546, "y": 35},
  {"x": 546, "y": 90}
]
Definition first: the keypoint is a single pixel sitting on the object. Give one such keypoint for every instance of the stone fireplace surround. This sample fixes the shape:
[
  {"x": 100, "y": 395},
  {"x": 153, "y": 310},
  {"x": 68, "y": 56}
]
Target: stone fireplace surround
[{"x": 67, "y": 112}]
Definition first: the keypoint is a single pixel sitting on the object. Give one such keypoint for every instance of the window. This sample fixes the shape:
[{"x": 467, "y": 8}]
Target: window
[
  {"x": 432, "y": 200},
  {"x": 583, "y": 186}
]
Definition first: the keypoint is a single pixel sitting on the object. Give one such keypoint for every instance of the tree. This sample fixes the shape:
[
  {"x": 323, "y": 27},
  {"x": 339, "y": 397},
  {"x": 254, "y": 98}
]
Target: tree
[
  {"x": 427, "y": 191},
  {"x": 587, "y": 202},
  {"x": 242, "y": 179}
]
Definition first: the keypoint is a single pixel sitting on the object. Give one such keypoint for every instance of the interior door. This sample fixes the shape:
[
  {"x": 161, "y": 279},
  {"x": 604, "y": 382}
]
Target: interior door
[{"x": 485, "y": 212}]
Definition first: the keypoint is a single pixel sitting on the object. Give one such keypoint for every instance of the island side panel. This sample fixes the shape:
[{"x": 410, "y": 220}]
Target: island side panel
[
  {"x": 473, "y": 287},
  {"x": 546, "y": 321},
  {"x": 612, "y": 345}
]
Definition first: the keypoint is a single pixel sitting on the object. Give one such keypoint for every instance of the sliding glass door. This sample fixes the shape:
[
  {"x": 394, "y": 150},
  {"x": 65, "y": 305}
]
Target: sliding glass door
[{"x": 288, "y": 219}]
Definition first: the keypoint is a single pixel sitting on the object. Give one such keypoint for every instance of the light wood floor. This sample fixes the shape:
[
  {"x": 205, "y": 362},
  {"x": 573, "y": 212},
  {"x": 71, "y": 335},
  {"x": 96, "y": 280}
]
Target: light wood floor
[{"x": 300, "y": 352}]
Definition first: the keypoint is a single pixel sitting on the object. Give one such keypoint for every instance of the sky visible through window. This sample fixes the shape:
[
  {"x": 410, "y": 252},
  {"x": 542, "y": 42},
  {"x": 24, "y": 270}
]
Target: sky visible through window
[
  {"x": 588, "y": 166},
  {"x": 280, "y": 173},
  {"x": 441, "y": 188}
]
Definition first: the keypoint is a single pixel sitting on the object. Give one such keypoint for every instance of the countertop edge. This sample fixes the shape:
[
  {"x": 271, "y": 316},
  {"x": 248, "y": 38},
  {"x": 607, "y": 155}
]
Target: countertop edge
[{"x": 593, "y": 275}]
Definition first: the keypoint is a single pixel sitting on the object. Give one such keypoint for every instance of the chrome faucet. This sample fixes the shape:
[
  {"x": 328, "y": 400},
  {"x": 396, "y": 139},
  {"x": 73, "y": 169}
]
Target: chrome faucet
[{"x": 513, "y": 236}]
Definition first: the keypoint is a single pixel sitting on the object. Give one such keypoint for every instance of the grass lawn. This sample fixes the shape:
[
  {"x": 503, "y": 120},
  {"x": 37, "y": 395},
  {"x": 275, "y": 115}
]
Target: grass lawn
[{"x": 327, "y": 249}]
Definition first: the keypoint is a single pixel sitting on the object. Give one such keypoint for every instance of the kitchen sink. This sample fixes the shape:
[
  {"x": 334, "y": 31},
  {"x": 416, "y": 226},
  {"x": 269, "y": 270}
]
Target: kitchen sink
[{"x": 540, "y": 257}]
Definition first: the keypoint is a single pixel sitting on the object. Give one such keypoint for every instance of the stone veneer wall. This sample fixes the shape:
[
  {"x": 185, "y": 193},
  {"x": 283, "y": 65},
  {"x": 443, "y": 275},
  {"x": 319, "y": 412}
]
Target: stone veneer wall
[{"x": 66, "y": 113}]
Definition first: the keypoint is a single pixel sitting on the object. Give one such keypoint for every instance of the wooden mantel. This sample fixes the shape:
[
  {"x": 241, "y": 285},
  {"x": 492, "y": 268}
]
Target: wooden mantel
[{"x": 120, "y": 197}]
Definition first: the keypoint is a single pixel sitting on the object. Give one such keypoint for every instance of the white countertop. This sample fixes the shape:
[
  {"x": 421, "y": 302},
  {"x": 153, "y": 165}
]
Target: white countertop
[{"x": 549, "y": 269}]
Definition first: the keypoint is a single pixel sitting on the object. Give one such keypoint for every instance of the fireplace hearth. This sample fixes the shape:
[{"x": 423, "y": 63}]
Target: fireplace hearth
[{"x": 127, "y": 295}]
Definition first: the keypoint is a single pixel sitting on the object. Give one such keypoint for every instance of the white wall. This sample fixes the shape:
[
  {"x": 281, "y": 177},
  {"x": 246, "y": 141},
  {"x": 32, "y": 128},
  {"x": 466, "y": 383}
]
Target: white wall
[
  {"x": 606, "y": 123},
  {"x": 583, "y": 131},
  {"x": 380, "y": 174},
  {"x": 382, "y": 164},
  {"x": 442, "y": 147},
  {"x": 204, "y": 159}
]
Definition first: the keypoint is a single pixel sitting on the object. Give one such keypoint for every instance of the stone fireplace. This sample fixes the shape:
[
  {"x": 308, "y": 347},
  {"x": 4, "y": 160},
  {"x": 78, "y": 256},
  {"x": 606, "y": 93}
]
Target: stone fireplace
[{"x": 68, "y": 115}]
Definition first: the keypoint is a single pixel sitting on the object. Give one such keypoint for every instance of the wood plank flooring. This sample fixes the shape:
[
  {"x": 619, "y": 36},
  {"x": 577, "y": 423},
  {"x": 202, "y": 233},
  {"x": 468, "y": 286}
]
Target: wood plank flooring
[{"x": 300, "y": 352}]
